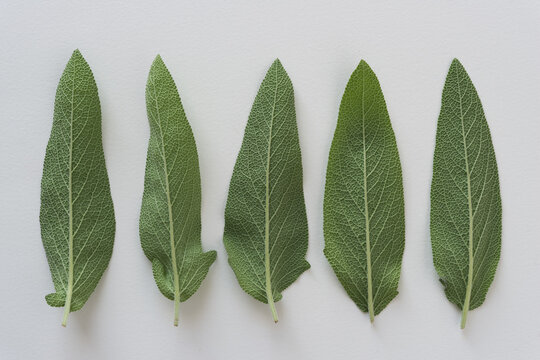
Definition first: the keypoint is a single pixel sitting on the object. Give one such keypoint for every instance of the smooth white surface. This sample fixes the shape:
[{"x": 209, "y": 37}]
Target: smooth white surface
[{"x": 218, "y": 53}]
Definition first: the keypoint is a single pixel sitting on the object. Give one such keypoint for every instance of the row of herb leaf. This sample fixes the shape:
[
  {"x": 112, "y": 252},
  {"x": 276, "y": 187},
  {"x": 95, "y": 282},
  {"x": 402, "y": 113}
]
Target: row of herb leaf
[{"x": 266, "y": 232}]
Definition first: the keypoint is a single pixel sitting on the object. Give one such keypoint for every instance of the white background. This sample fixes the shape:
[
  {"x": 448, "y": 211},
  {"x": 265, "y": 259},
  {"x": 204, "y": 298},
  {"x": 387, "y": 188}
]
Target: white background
[{"x": 218, "y": 53}]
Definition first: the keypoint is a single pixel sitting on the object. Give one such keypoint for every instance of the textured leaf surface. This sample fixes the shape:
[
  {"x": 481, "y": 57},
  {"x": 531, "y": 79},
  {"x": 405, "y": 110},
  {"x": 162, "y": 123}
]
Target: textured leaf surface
[
  {"x": 266, "y": 234},
  {"x": 77, "y": 215},
  {"x": 364, "y": 224},
  {"x": 465, "y": 198},
  {"x": 170, "y": 222}
]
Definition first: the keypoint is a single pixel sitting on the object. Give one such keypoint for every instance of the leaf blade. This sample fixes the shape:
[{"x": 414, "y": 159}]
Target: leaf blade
[
  {"x": 76, "y": 204},
  {"x": 466, "y": 211},
  {"x": 364, "y": 224},
  {"x": 265, "y": 213},
  {"x": 172, "y": 194}
]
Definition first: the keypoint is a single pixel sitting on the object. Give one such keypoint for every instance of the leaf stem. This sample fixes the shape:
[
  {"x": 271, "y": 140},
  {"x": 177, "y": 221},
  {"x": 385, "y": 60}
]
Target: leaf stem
[
  {"x": 273, "y": 309},
  {"x": 464, "y": 316},
  {"x": 176, "y": 307},
  {"x": 67, "y": 309}
]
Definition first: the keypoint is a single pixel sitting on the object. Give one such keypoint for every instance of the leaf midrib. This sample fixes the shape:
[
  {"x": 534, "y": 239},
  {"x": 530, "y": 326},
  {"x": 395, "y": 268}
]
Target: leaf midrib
[
  {"x": 69, "y": 291},
  {"x": 366, "y": 210},
  {"x": 269, "y": 294},
  {"x": 471, "y": 220},
  {"x": 169, "y": 207}
]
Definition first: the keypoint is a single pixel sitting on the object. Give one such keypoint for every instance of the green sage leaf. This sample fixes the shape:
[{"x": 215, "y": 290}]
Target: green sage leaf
[
  {"x": 466, "y": 212},
  {"x": 364, "y": 223},
  {"x": 266, "y": 233},
  {"x": 170, "y": 221},
  {"x": 77, "y": 214}
]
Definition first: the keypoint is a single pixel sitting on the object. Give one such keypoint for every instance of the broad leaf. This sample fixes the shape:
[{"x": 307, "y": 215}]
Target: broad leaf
[
  {"x": 266, "y": 233},
  {"x": 465, "y": 198},
  {"x": 77, "y": 215},
  {"x": 170, "y": 222},
  {"x": 364, "y": 224}
]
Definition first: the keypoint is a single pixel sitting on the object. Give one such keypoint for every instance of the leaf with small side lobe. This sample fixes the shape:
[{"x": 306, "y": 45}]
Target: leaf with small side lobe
[
  {"x": 364, "y": 223},
  {"x": 266, "y": 233},
  {"x": 170, "y": 221},
  {"x": 466, "y": 214},
  {"x": 77, "y": 214}
]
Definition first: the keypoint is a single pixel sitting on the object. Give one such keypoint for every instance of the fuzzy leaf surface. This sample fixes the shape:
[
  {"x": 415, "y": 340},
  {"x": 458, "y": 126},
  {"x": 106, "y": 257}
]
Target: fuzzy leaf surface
[
  {"x": 266, "y": 233},
  {"x": 466, "y": 214},
  {"x": 170, "y": 221},
  {"x": 364, "y": 223},
  {"x": 77, "y": 214}
]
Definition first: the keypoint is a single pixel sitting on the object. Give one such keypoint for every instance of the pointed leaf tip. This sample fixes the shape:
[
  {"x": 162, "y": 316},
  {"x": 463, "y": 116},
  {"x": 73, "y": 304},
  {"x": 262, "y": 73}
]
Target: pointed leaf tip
[
  {"x": 76, "y": 54},
  {"x": 158, "y": 60},
  {"x": 363, "y": 65},
  {"x": 277, "y": 63},
  {"x": 456, "y": 63}
]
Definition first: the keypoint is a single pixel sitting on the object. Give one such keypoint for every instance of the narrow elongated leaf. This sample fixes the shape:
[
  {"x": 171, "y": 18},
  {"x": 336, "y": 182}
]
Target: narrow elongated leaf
[
  {"x": 364, "y": 224},
  {"x": 266, "y": 234},
  {"x": 170, "y": 222},
  {"x": 466, "y": 213},
  {"x": 77, "y": 214}
]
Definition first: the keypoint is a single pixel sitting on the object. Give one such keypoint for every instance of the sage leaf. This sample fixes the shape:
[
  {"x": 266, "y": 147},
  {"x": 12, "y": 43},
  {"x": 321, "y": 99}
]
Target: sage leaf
[
  {"x": 77, "y": 214},
  {"x": 466, "y": 212},
  {"x": 170, "y": 220},
  {"x": 364, "y": 223},
  {"x": 266, "y": 233}
]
